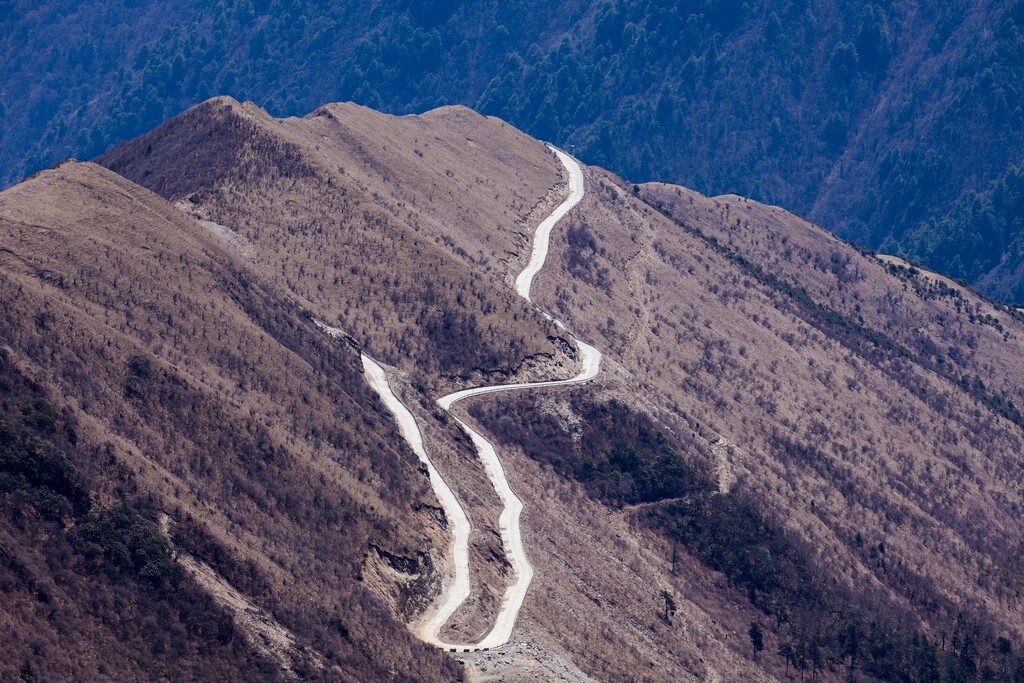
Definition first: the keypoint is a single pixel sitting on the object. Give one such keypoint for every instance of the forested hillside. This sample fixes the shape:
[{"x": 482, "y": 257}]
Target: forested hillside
[{"x": 890, "y": 123}]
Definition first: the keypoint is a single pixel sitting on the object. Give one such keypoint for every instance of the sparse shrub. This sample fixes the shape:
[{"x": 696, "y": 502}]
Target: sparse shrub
[{"x": 139, "y": 370}]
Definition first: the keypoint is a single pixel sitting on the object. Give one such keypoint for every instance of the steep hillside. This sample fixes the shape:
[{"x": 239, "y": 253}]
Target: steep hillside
[
  {"x": 799, "y": 457},
  {"x": 396, "y": 229},
  {"x": 868, "y": 412},
  {"x": 82, "y": 585},
  {"x": 877, "y": 120},
  {"x": 178, "y": 382}
]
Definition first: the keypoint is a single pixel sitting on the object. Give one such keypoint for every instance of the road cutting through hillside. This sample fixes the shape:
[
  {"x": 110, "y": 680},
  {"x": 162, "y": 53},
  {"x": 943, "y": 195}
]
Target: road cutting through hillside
[{"x": 458, "y": 589}]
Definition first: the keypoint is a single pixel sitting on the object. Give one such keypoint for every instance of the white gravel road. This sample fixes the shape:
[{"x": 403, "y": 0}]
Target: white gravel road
[{"x": 457, "y": 588}]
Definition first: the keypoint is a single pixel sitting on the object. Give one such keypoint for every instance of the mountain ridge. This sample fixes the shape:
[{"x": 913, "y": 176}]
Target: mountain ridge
[
  {"x": 788, "y": 433},
  {"x": 878, "y": 121}
]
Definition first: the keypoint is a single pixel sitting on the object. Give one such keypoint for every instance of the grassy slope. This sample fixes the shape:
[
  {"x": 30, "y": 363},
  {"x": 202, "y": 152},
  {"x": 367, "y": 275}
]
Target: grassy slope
[
  {"x": 196, "y": 384},
  {"x": 397, "y": 229},
  {"x": 844, "y": 427}
]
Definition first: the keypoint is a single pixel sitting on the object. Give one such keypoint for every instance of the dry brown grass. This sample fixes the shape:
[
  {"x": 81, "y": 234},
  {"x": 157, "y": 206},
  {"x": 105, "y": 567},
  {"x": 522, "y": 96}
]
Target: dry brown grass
[
  {"x": 195, "y": 382},
  {"x": 398, "y": 230},
  {"x": 930, "y": 315},
  {"x": 817, "y": 367},
  {"x": 839, "y": 431}
]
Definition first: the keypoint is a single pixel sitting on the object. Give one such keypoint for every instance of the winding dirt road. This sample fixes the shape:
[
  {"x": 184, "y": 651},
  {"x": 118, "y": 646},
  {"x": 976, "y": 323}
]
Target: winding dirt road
[{"x": 458, "y": 589}]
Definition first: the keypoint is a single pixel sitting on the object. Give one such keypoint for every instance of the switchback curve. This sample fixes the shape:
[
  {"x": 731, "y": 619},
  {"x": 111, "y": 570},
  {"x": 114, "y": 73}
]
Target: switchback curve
[{"x": 456, "y": 592}]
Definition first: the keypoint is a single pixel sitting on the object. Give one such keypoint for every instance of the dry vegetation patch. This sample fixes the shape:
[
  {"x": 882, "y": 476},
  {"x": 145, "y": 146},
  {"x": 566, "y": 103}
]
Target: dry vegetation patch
[
  {"x": 903, "y": 471},
  {"x": 206, "y": 389},
  {"x": 401, "y": 230}
]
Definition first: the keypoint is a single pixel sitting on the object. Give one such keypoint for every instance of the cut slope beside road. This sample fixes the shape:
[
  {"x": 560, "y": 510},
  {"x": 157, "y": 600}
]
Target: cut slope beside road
[{"x": 457, "y": 590}]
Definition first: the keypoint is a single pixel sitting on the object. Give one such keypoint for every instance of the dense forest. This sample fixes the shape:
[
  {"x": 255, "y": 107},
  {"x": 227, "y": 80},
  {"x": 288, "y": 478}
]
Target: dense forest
[{"x": 890, "y": 123}]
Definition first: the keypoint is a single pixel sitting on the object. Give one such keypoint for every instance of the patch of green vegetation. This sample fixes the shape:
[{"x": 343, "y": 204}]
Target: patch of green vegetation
[
  {"x": 37, "y": 469},
  {"x": 619, "y": 455},
  {"x": 122, "y": 541}
]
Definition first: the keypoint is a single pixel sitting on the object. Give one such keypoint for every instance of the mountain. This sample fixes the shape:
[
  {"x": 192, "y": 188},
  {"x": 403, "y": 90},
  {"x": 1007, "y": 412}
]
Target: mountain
[
  {"x": 389, "y": 226},
  {"x": 891, "y": 124},
  {"x": 799, "y": 457},
  {"x": 855, "y": 402},
  {"x": 149, "y": 371}
]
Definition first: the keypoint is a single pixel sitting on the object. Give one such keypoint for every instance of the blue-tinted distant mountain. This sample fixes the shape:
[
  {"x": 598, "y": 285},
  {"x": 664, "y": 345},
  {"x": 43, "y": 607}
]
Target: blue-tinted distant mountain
[{"x": 879, "y": 121}]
